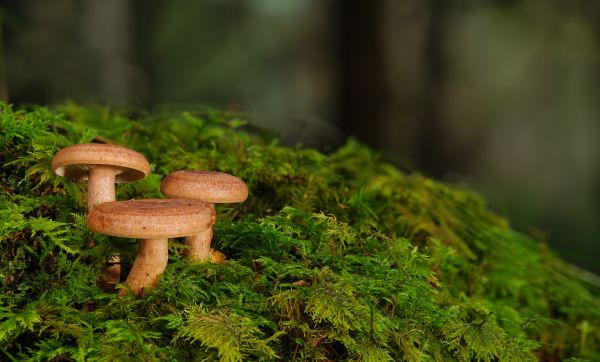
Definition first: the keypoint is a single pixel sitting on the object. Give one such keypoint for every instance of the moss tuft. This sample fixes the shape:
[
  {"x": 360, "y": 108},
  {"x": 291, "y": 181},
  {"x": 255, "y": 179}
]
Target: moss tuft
[{"x": 336, "y": 256}]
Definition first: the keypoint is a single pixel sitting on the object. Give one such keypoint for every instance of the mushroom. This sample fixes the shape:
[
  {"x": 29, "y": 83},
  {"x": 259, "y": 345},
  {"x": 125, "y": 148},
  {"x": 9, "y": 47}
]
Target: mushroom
[
  {"x": 153, "y": 221},
  {"x": 102, "y": 166},
  {"x": 208, "y": 186}
]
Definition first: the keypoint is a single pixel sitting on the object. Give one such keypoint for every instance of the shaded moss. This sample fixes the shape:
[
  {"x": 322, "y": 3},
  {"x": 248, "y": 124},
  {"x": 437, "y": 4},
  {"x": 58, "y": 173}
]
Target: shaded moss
[{"x": 337, "y": 256}]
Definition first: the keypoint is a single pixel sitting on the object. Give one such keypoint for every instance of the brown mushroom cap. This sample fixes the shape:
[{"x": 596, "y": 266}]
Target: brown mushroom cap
[
  {"x": 151, "y": 219},
  {"x": 75, "y": 161},
  {"x": 208, "y": 186}
]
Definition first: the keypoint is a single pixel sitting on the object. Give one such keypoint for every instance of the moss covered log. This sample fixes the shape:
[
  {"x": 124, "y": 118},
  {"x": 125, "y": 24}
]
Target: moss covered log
[{"x": 333, "y": 257}]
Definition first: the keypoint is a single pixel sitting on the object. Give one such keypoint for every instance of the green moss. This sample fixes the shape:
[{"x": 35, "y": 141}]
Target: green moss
[{"x": 337, "y": 256}]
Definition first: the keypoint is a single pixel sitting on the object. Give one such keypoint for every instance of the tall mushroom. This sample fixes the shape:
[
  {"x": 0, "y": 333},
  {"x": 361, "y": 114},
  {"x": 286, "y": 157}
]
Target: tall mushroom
[
  {"x": 102, "y": 166},
  {"x": 208, "y": 186},
  {"x": 153, "y": 221}
]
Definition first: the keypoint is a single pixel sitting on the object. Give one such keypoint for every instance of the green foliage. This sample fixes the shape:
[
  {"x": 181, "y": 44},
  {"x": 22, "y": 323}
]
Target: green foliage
[
  {"x": 332, "y": 257},
  {"x": 233, "y": 336}
]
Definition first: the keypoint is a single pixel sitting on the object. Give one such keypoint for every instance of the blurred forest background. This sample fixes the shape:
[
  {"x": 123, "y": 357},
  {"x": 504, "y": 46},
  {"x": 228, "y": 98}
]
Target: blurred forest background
[{"x": 501, "y": 95}]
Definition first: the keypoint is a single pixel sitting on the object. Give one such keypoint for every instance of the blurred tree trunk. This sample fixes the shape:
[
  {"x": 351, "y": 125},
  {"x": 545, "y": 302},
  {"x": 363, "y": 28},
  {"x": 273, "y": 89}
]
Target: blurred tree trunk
[
  {"x": 430, "y": 131},
  {"x": 106, "y": 31},
  {"x": 3, "y": 80},
  {"x": 361, "y": 83}
]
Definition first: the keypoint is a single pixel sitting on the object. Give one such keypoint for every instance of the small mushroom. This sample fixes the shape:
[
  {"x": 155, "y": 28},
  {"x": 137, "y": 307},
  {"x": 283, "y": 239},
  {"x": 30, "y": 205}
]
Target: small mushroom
[
  {"x": 208, "y": 186},
  {"x": 102, "y": 166},
  {"x": 153, "y": 221}
]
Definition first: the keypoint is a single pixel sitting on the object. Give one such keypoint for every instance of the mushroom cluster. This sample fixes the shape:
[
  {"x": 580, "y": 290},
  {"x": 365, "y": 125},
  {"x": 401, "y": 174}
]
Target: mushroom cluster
[
  {"x": 188, "y": 212},
  {"x": 102, "y": 166}
]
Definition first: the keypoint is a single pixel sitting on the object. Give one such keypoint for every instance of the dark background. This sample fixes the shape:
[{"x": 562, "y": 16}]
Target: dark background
[{"x": 503, "y": 96}]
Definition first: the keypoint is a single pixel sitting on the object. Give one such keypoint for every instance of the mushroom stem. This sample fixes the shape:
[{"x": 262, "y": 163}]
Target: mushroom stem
[
  {"x": 101, "y": 185},
  {"x": 148, "y": 265},
  {"x": 199, "y": 244},
  {"x": 101, "y": 188}
]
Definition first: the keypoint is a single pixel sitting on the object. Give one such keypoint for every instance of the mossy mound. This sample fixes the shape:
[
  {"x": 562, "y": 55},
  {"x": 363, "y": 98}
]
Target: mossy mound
[{"x": 332, "y": 257}]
